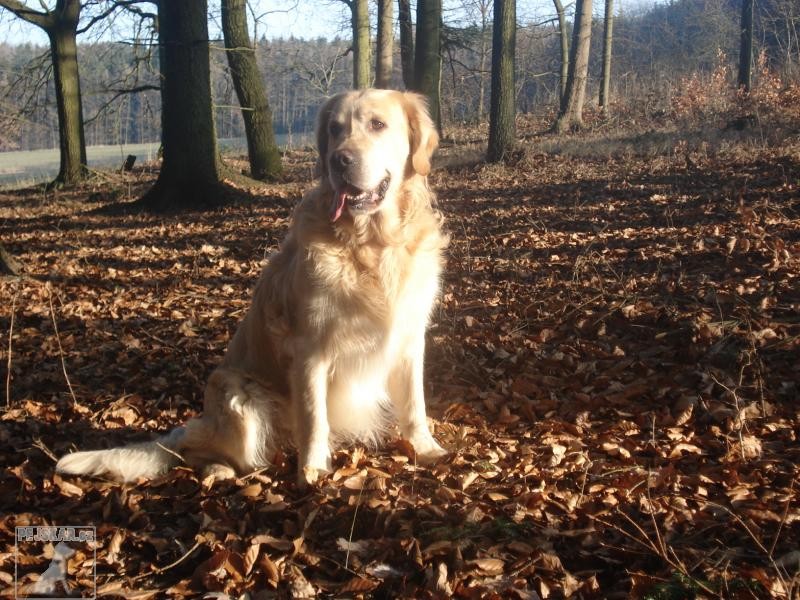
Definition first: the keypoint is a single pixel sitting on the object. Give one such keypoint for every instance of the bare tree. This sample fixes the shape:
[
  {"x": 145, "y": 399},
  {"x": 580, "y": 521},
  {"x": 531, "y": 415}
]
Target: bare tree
[
  {"x": 406, "y": 42},
  {"x": 61, "y": 26},
  {"x": 428, "y": 56},
  {"x": 563, "y": 36},
  {"x": 385, "y": 44},
  {"x": 571, "y": 112},
  {"x": 746, "y": 46},
  {"x": 502, "y": 117},
  {"x": 190, "y": 170},
  {"x": 608, "y": 34},
  {"x": 320, "y": 70},
  {"x": 359, "y": 21},
  {"x": 262, "y": 151},
  {"x": 483, "y": 8}
]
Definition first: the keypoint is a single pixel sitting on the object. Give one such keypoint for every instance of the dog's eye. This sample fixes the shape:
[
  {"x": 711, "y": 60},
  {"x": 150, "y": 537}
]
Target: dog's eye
[
  {"x": 377, "y": 125},
  {"x": 334, "y": 128}
]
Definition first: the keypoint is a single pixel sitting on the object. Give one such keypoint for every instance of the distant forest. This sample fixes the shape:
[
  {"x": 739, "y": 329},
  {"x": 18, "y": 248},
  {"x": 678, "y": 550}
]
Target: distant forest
[{"x": 653, "y": 51}]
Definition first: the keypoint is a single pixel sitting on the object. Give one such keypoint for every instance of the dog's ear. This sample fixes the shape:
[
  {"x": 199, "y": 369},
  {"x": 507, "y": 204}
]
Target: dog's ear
[
  {"x": 422, "y": 132},
  {"x": 321, "y": 168}
]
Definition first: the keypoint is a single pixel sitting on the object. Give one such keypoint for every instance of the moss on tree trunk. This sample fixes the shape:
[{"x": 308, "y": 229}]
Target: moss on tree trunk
[
  {"x": 72, "y": 145},
  {"x": 385, "y": 45},
  {"x": 361, "y": 43},
  {"x": 262, "y": 151}
]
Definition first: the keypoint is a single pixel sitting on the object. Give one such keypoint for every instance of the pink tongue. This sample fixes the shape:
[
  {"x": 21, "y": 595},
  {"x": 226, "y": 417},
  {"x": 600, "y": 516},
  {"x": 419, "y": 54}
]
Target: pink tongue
[{"x": 337, "y": 204}]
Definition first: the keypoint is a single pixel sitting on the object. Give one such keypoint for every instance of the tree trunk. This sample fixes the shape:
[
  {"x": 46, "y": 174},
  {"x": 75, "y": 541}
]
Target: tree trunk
[
  {"x": 361, "y": 43},
  {"x": 406, "y": 42},
  {"x": 746, "y": 46},
  {"x": 563, "y": 34},
  {"x": 484, "y": 8},
  {"x": 262, "y": 151},
  {"x": 383, "y": 64},
  {"x": 61, "y": 26},
  {"x": 427, "y": 57},
  {"x": 502, "y": 117},
  {"x": 190, "y": 172},
  {"x": 608, "y": 34},
  {"x": 8, "y": 264},
  {"x": 72, "y": 145},
  {"x": 571, "y": 113}
]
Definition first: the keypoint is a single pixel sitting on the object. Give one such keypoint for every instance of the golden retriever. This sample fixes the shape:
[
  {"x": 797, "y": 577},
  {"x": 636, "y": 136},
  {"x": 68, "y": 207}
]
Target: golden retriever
[{"x": 333, "y": 343}]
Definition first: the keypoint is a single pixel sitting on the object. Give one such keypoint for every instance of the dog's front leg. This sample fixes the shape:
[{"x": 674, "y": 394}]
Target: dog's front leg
[
  {"x": 311, "y": 428},
  {"x": 408, "y": 396}
]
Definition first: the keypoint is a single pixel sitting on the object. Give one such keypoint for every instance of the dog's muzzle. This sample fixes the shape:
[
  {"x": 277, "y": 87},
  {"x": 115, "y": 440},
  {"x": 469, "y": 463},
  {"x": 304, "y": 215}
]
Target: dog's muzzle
[{"x": 356, "y": 199}]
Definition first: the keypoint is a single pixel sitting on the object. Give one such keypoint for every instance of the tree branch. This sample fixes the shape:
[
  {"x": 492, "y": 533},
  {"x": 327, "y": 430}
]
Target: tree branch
[
  {"x": 117, "y": 94},
  {"x": 26, "y": 13},
  {"x": 128, "y": 5}
]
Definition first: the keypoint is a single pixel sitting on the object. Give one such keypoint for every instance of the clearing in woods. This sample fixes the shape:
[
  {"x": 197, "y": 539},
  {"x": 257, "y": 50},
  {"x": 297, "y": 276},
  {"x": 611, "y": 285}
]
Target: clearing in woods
[{"x": 613, "y": 364}]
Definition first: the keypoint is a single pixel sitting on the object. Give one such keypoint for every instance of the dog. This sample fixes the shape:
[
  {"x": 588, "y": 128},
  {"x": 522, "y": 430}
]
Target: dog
[{"x": 331, "y": 348}]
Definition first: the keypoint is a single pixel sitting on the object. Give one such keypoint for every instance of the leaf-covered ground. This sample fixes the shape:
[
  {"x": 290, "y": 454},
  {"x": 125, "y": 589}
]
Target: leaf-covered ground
[{"x": 614, "y": 366}]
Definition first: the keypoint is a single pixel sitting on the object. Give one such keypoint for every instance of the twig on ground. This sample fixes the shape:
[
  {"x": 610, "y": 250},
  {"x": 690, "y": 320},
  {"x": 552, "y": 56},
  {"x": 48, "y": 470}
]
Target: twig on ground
[
  {"x": 739, "y": 415},
  {"x": 779, "y": 573},
  {"x": 39, "y": 444},
  {"x": 10, "y": 338},
  {"x": 58, "y": 341},
  {"x": 172, "y": 565},
  {"x": 783, "y": 518},
  {"x": 667, "y": 555},
  {"x": 171, "y": 451},
  {"x": 353, "y": 524},
  {"x": 252, "y": 474}
]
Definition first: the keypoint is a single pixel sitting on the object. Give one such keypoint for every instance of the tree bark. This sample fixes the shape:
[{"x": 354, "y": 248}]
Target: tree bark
[
  {"x": 8, "y": 264},
  {"x": 428, "y": 56},
  {"x": 385, "y": 43},
  {"x": 361, "y": 43},
  {"x": 571, "y": 113},
  {"x": 502, "y": 116},
  {"x": 563, "y": 35},
  {"x": 190, "y": 172},
  {"x": 746, "y": 46},
  {"x": 406, "y": 42},
  {"x": 484, "y": 9},
  {"x": 608, "y": 34},
  {"x": 72, "y": 144},
  {"x": 61, "y": 26},
  {"x": 262, "y": 151}
]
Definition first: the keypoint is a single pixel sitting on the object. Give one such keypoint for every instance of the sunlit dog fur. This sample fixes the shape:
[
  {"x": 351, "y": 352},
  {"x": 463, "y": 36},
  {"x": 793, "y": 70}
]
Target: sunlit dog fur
[{"x": 332, "y": 347}]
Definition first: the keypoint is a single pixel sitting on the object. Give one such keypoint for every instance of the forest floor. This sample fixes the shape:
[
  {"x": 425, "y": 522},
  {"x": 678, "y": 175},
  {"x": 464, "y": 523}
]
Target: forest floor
[{"x": 614, "y": 366}]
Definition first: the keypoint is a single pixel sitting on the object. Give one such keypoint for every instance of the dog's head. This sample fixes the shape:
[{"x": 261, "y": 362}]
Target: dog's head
[{"x": 370, "y": 142}]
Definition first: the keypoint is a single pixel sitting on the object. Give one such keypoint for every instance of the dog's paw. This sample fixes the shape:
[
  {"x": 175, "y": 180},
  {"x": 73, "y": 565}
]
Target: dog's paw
[
  {"x": 217, "y": 472},
  {"x": 427, "y": 449},
  {"x": 309, "y": 471}
]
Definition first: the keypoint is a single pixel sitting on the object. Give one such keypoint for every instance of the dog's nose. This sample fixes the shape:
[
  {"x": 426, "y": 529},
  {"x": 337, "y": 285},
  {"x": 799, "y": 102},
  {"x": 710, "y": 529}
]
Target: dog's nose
[{"x": 342, "y": 159}]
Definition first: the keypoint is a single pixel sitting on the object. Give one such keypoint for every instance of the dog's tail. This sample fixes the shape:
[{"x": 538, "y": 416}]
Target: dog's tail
[{"x": 147, "y": 459}]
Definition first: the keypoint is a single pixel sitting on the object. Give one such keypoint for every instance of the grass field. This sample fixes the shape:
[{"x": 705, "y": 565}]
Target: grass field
[{"x": 27, "y": 167}]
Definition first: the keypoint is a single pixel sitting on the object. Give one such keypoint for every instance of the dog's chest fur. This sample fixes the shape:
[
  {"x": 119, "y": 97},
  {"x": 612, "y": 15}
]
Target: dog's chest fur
[{"x": 367, "y": 287}]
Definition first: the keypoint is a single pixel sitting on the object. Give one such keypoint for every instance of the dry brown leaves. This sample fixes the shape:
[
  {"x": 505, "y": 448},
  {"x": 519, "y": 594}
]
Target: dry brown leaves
[{"x": 613, "y": 366}]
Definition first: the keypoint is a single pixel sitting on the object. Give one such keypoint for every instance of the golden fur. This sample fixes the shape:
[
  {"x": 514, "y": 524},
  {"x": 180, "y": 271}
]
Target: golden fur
[{"x": 334, "y": 340}]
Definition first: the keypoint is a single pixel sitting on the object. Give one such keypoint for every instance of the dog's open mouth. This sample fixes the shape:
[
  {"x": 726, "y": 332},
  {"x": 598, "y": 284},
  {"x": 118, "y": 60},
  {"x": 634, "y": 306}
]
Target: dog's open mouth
[{"x": 357, "y": 200}]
